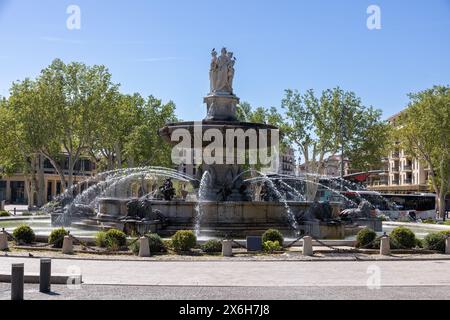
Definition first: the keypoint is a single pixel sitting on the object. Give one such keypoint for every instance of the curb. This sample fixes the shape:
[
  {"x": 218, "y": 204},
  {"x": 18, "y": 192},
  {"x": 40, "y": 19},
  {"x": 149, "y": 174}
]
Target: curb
[{"x": 34, "y": 278}]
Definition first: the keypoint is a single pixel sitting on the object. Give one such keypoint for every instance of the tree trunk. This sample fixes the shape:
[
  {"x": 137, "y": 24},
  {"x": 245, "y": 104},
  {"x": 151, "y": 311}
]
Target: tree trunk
[
  {"x": 118, "y": 156},
  {"x": 40, "y": 190},
  {"x": 441, "y": 204}
]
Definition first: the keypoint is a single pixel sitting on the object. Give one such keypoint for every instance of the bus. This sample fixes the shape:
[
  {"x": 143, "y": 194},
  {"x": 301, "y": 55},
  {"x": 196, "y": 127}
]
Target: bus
[{"x": 398, "y": 206}]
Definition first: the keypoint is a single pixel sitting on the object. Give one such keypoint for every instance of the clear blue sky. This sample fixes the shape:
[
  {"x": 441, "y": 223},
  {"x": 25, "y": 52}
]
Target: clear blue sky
[{"x": 162, "y": 47}]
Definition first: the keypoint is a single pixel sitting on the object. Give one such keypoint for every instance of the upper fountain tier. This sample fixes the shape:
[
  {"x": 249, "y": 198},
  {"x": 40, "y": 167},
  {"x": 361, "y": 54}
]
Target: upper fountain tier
[
  {"x": 226, "y": 181},
  {"x": 221, "y": 102}
]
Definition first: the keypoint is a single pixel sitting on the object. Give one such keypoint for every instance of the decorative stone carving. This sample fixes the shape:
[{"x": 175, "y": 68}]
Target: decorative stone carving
[{"x": 222, "y": 72}]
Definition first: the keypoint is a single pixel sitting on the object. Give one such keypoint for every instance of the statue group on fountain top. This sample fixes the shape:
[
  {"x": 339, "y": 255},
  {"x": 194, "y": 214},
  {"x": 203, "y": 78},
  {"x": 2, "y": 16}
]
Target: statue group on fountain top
[{"x": 222, "y": 72}]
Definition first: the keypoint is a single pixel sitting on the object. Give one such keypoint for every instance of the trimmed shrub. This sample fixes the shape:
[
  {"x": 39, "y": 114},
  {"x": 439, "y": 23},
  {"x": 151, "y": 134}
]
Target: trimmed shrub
[
  {"x": 135, "y": 247},
  {"x": 184, "y": 240},
  {"x": 212, "y": 246},
  {"x": 271, "y": 246},
  {"x": 403, "y": 238},
  {"x": 365, "y": 237},
  {"x": 4, "y": 214},
  {"x": 56, "y": 237},
  {"x": 100, "y": 239},
  {"x": 115, "y": 239},
  {"x": 156, "y": 243},
  {"x": 273, "y": 235},
  {"x": 435, "y": 241},
  {"x": 24, "y": 234},
  {"x": 168, "y": 245}
]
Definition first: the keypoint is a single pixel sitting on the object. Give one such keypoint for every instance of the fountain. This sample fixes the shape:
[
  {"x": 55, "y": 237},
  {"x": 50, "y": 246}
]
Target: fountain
[{"x": 225, "y": 201}]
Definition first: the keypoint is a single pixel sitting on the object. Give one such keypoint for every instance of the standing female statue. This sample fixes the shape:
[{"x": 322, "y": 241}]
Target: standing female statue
[{"x": 213, "y": 71}]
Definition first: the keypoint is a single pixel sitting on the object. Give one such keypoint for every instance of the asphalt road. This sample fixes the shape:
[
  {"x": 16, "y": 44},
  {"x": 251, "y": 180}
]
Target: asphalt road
[{"x": 102, "y": 292}]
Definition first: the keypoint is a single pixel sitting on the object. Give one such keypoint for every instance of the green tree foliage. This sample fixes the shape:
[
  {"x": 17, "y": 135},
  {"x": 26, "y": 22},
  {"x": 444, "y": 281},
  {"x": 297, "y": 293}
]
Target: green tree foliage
[
  {"x": 319, "y": 126},
  {"x": 424, "y": 132},
  {"x": 72, "y": 111}
]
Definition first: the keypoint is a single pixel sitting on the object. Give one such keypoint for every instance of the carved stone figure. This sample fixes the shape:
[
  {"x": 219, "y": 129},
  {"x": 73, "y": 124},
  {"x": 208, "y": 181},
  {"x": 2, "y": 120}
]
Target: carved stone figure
[
  {"x": 213, "y": 70},
  {"x": 363, "y": 211},
  {"x": 167, "y": 190},
  {"x": 222, "y": 72}
]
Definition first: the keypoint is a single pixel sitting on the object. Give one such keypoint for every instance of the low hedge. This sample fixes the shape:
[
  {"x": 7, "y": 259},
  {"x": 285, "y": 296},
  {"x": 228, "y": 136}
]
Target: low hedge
[
  {"x": 273, "y": 235},
  {"x": 365, "y": 238},
  {"x": 403, "y": 238},
  {"x": 56, "y": 237},
  {"x": 271, "y": 246},
  {"x": 436, "y": 241},
  {"x": 4, "y": 214},
  {"x": 184, "y": 240},
  {"x": 115, "y": 239},
  {"x": 24, "y": 234},
  {"x": 212, "y": 246}
]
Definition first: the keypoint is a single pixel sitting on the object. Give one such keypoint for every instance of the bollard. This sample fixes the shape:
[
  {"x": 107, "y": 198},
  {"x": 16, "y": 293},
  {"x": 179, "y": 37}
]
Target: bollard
[
  {"x": 45, "y": 275},
  {"x": 307, "y": 246},
  {"x": 385, "y": 246},
  {"x": 3, "y": 241},
  {"x": 447, "y": 245},
  {"x": 15, "y": 211},
  {"x": 144, "y": 247},
  {"x": 67, "y": 245},
  {"x": 227, "y": 248},
  {"x": 2, "y": 205},
  {"x": 17, "y": 281}
]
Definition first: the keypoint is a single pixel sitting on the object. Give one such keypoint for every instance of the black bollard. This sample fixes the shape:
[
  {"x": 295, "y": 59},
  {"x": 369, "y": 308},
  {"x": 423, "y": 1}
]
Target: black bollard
[
  {"x": 17, "y": 279},
  {"x": 45, "y": 275},
  {"x": 15, "y": 211}
]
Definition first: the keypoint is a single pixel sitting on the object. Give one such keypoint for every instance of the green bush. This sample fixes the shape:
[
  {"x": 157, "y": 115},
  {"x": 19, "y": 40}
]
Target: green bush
[
  {"x": 435, "y": 241},
  {"x": 403, "y": 238},
  {"x": 135, "y": 247},
  {"x": 168, "y": 245},
  {"x": 24, "y": 234},
  {"x": 271, "y": 246},
  {"x": 115, "y": 239},
  {"x": 56, "y": 237},
  {"x": 100, "y": 239},
  {"x": 156, "y": 243},
  {"x": 365, "y": 237},
  {"x": 4, "y": 214},
  {"x": 447, "y": 222},
  {"x": 212, "y": 246},
  {"x": 273, "y": 235},
  {"x": 429, "y": 221},
  {"x": 184, "y": 240}
]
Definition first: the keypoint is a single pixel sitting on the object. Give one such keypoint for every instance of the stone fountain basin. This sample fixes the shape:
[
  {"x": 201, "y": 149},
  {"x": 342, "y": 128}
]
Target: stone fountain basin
[
  {"x": 212, "y": 211},
  {"x": 229, "y": 218}
]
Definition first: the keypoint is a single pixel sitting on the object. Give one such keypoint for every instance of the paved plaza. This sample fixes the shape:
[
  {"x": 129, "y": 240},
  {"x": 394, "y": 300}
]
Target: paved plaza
[{"x": 240, "y": 280}]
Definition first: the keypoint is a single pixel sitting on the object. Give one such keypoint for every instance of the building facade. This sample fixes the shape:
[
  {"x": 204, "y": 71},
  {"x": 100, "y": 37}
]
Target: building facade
[
  {"x": 13, "y": 188},
  {"x": 287, "y": 164},
  {"x": 331, "y": 167},
  {"x": 401, "y": 172}
]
